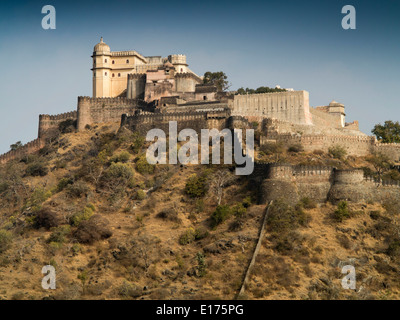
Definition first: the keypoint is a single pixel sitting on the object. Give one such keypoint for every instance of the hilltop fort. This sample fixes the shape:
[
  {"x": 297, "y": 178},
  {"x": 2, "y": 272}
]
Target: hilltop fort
[{"x": 147, "y": 92}]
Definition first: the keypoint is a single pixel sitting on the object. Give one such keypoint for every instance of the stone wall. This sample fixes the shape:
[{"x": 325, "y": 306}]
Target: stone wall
[
  {"x": 101, "y": 110},
  {"x": 26, "y": 149},
  {"x": 145, "y": 121},
  {"x": 292, "y": 106},
  {"x": 50, "y": 123},
  {"x": 354, "y": 145},
  {"x": 321, "y": 184}
]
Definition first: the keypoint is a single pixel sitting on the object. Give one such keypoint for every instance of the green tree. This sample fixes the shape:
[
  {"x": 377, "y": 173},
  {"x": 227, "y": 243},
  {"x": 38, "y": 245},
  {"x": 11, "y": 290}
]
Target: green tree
[
  {"x": 16, "y": 145},
  {"x": 219, "y": 79},
  {"x": 381, "y": 163},
  {"x": 387, "y": 133}
]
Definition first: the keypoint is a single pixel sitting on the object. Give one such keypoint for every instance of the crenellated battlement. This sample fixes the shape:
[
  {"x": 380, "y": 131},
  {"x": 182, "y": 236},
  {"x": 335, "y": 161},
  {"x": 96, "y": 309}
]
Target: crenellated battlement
[
  {"x": 26, "y": 149},
  {"x": 116, "y": 100},
  {"x": 61, "y": 116}
]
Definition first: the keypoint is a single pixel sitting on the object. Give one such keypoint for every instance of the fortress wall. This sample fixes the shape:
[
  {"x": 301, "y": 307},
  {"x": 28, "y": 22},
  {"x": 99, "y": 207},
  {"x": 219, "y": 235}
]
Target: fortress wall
[
  {"x": 26, "y": 149},
  {"x": 101, "y": 110},
  {"x": 193, "y": 107},
  {"x": 309, "y": 174},
  {"x": 324, "y": 119},
  {"x": 321, "y": 184},
  {"x": 349, "y": 176},
  {"x": 48, "y": 123},
  {"x": 354, "y": 145},
  {"x": 192, "y": 120},
  {"x": 290, "y": 106},
  {"x": 392, "y": 150}
]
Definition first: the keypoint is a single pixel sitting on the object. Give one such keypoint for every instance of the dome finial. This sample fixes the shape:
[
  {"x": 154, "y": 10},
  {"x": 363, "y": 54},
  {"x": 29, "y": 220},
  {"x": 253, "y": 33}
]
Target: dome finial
[{"x": 101, "y": 39}]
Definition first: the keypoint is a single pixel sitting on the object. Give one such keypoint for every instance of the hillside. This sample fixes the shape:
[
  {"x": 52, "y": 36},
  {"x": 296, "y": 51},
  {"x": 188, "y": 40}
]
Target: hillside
[{"x": 115, "y": 227}]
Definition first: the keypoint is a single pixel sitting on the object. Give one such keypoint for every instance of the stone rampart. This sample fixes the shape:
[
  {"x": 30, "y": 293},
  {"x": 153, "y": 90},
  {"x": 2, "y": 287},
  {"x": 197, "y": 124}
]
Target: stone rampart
[{"x": 26, "y": 149}]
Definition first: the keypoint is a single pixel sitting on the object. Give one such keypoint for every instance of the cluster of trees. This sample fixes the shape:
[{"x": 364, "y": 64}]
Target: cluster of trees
[
  {"x": 218, "y": 79},
  {"x": 387, "y": 133},
  {"x": 259, "y": 90}
]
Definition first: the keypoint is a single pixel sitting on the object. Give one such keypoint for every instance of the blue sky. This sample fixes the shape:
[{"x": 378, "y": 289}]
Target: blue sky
[{"x": 296, "y": 44}]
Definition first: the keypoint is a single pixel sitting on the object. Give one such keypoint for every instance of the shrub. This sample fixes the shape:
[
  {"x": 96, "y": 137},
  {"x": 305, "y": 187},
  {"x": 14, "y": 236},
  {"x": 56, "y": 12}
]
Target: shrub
[
  {"x": 239, "y": 210},
  {"x": 143, "y": 167},
  {"x": 36, "y": 169},
  {"x": 196, "y": 186},
  {"x": 92, "y": 230},
  {"x": 169, "y": 214},
  {"x": 140, "y": 195},
  {"x": 138, "y": 142},
  {"x": 337, "y": 152},
  {"x": 283, "y": 217},
  {"x": 200, "y": 233},
  {"x": 77, "y": 218},
  {"x": 318, "y": 152},
  {"x": 221, "y": 213},
  {"x": 35, "y": 201},
  {"x": 342, "y": 212},
  {"x": 123, "y": 157},
  {"x": 5, "y": 240},
  {"x": 63, "y": 183},
  {"x": 308, "y": 203},
  {"x": 46, "y": 218},
  {"x": 246, "y": 202},
  {"x": 201, "y": 264},
  {"x": 129, "y": 290},
  {"x": 271, "y": 148},
  {"x": 118, "y": 174},
  {"x": 187, "y": 237},
  {"x": 296, "y": 148},
  {"x": 77, "y": 189},
  {"x": 59, "y": 234}
]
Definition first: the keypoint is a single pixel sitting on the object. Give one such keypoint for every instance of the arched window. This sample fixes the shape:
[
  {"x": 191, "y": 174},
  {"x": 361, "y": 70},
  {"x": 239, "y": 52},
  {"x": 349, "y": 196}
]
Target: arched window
[
  {"x": 181, "y": 69},
  {"x": 119, "y": 74},
  {"x": 113, "y": 62},
  {"x": 105, "y": 61},
  {"x": 127, "y": 61},
  {"x": 106, "y": 73},
  {"x": 113, "y": 75}
]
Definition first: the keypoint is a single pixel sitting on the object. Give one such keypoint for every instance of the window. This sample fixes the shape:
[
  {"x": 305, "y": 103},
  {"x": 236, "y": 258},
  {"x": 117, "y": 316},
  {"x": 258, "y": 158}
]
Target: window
[
  {"x": 113, "y": 75},
  {"x": 127, "y": 61},
  {"x": 181, "y": 69},
  {"x": 113, "y": 62},
  {"x": 105, "y": 61},
  {"x": 106, "y": 73},
  {"x": 204, "y": 97},
  {"x": 119, "y": 75}
]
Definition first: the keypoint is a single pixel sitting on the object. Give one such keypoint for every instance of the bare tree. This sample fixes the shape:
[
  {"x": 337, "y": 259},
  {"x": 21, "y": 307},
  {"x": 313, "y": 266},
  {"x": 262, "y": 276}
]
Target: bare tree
[{"x": 219, "y": 181}]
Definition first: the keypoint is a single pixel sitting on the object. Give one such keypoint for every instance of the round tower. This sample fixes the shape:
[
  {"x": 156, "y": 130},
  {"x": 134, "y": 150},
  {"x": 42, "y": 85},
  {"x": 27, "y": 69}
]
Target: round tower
[
  {"x": 101, "y": 70},
  {"x": 179, "y": 62}
]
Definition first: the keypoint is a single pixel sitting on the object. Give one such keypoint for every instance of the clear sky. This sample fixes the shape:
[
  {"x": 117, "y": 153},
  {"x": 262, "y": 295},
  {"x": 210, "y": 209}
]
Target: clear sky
[{"x": 296, "y": 44}]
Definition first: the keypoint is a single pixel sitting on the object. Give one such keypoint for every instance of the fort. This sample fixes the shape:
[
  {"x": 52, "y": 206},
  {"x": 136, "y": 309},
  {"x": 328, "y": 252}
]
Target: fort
[{"x": 142, "y": 93}]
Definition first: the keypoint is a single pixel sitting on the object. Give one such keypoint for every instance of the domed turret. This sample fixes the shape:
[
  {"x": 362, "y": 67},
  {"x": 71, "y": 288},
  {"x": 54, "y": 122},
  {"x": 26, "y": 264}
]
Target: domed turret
[
  {"x": 335, "y": 103},
  {"x": 101, "y": 47}
]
